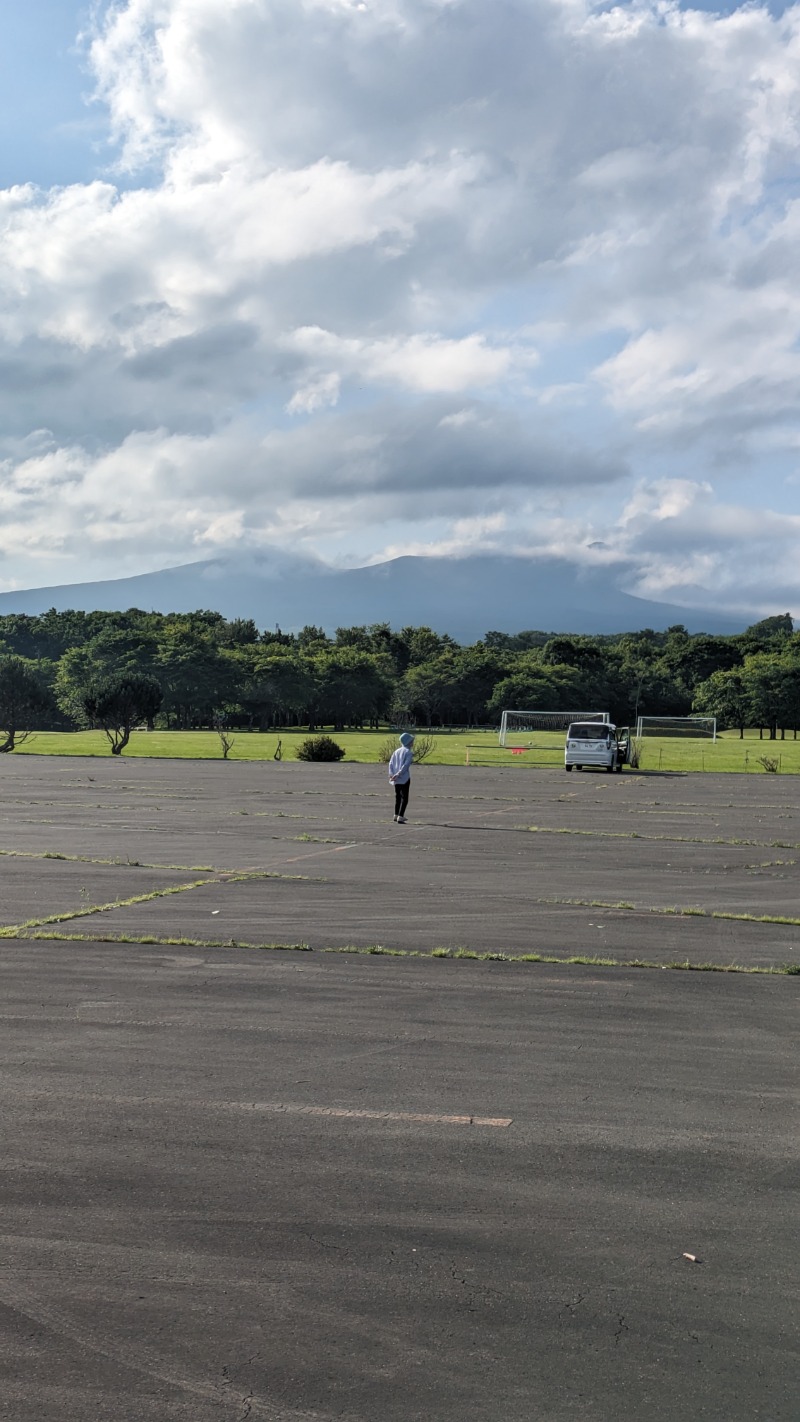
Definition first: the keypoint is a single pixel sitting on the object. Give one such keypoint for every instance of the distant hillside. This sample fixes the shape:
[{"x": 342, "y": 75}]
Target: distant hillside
[{"x": 465, "y": 597}]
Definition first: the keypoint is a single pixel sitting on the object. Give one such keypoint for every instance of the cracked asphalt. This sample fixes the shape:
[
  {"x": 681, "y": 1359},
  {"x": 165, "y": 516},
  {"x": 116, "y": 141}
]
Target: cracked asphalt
[
  {"x": 240, "y": 1183},
  {"x": 508, "y": 861}
]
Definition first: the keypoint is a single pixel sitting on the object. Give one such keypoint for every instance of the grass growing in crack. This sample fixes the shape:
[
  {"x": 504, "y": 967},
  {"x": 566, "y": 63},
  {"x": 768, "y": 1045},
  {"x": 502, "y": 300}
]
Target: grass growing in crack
[
  {"x": 20, "y": 930},
  {"x": 658, "y": 838},
  {"x": 23, "y": 930},
  {"x": 757, "y": 918},
  {"x": 377, "y": 950},
  {"x": 674, "y": 911},
  {"x": 113, "y": 863},
  {"x": 160, "y": 940}
]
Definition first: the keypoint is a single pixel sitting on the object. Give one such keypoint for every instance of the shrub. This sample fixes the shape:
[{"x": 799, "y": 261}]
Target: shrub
[
  {"x": 422, "y": 748},
  {"x": 319, "y": 748},
  {"x": 770, "y": 763}
]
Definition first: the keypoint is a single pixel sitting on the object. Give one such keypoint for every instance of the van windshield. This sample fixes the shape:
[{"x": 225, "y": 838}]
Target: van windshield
[{"x": 589, "y": 731}]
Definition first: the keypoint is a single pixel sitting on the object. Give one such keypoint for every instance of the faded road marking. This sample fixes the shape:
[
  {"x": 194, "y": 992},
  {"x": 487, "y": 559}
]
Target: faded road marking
[
  {"x": 362, "y": 1114},
  {"x": 273, "y": 1108}
]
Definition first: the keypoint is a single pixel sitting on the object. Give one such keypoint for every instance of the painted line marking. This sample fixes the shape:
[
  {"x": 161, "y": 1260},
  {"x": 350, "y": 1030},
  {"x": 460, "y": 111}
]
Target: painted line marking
[
  {"x": 363, "y": 1114},
  {"x": 276, "y": 1108}
]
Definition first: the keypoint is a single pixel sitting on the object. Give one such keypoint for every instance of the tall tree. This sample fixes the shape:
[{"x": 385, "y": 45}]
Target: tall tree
[
  {"x": 118, "y": 704},
  {"x": 23, "y": 699},
  {"x": 725, "y": 696}
]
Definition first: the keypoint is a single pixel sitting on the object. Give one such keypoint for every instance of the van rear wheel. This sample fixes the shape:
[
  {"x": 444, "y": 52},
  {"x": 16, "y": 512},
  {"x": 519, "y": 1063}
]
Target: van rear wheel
[{"x": 568, "y": 768}]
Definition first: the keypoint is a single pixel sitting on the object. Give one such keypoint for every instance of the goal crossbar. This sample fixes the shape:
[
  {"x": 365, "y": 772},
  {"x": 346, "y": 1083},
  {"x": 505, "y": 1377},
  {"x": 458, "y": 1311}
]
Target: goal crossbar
[
  {"x": 520, "y": 723},
  {"x": 685, "y": 727}
]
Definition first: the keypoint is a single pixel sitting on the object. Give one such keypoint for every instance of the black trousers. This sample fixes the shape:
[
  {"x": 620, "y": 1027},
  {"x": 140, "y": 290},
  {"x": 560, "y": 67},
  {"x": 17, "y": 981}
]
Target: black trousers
[{"x": 401, "y": 794}]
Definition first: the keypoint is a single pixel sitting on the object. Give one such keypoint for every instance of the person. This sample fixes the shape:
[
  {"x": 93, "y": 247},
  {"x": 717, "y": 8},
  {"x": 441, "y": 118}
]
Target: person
[{"x": 400, "y": 775}]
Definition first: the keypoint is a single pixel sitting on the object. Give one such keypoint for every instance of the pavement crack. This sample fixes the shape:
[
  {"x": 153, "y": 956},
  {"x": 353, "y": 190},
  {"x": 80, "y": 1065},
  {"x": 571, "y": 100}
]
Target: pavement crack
[
  {"x": 621, "y": 1328},
  {"x": 323, "y": 1243}
]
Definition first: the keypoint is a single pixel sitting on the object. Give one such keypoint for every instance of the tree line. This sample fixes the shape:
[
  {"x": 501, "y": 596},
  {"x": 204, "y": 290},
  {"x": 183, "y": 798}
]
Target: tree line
[{"x": 197, "y": 670}]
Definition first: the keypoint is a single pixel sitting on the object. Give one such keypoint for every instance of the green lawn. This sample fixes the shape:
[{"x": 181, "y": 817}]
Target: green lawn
[{"x": 452, "y": 748}]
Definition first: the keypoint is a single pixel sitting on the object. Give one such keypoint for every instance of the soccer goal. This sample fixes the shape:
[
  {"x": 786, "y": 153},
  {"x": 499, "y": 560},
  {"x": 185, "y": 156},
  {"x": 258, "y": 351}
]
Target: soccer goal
[
  {"x": 682, "y": 727},
  {"x": 524, "y": 723}
]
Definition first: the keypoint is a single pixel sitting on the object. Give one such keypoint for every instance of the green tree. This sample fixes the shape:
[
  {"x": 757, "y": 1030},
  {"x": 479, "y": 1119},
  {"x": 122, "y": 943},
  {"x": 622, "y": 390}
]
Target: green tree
[
  {"x": 470, "y": 675},
  {"x": 117, "y": 704},
  {"x": 353, "y": 687},
  {"x": 23, "y": 700},
  {"x": 198, "y": 677},
  {"x": 278, "y": 686},
  {"x": 112, "y": 651},
  {"x": 773, "y": 690},
  {"x": 699, "y": 657},
  {"x": 534, "y": 687},
  {"x": 725, "y": 696},
  {"x": 423, "y": 644},
  {"x": 240, "y": 632},
  {"x": 425, "y": 689}
]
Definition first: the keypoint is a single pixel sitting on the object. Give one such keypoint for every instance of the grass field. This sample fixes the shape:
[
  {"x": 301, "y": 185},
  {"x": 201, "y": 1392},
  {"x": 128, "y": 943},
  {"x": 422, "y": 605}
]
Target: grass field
[{"x": 477, "y": 748}]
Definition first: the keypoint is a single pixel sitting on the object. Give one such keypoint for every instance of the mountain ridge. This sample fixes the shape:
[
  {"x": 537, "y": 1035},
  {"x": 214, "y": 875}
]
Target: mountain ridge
[{"x": 465, "y": 597}]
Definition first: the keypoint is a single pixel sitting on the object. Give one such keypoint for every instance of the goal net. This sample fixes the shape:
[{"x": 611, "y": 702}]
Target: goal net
[
  {"x": 683, "y": 727},
  {"x": 517, "y": 724}
]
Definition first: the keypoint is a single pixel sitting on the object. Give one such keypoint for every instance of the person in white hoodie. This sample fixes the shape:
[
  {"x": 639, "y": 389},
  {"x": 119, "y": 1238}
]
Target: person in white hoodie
[{"x": 400, "y": 775}]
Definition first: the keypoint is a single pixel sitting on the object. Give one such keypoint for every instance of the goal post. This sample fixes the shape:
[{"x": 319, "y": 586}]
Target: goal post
[
  {"x": 522, "y": 723},
  {"x": 678, "y": 727}
]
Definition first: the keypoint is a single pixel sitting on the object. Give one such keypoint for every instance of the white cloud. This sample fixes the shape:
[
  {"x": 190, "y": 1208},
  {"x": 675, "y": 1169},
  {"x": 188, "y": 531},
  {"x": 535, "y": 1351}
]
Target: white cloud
[
  {"x": 345, "y": 236},
  {"x": 426, "y": 363}
]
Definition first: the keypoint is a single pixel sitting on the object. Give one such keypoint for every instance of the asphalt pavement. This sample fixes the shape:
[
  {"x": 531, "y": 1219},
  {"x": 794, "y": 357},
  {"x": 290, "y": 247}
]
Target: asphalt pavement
[
  {"x": 663, "y": 868},
  {"x": 249, "y": 1182},
  {"x": 296, "y": 1186}
]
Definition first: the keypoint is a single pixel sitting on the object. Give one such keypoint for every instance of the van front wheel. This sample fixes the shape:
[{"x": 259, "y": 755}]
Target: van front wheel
[{"x": 568, "y": 768}]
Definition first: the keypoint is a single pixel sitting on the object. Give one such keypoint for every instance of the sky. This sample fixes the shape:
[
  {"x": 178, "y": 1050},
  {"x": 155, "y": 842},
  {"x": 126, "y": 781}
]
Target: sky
[{"x": 359, "y": 278}]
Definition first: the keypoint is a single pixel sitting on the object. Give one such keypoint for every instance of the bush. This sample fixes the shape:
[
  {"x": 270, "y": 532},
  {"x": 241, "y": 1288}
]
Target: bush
[
  {"x": 319, "y": 748},
  {"x": 423, "y": 747}
]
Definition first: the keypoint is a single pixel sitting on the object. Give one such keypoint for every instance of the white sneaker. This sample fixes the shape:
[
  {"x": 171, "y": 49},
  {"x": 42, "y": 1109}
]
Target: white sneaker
[{"x": 401, "y": 819}]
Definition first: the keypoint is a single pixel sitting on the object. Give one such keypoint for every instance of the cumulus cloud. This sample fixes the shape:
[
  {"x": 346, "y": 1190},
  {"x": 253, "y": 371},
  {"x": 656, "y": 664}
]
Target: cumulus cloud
[{"x": 517, "y": 274}]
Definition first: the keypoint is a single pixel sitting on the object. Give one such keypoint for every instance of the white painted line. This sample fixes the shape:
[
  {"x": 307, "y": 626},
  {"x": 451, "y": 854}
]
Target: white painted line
[
  {"x": 362, "y": 1114},
  {"x": 273, "y": 1108}
]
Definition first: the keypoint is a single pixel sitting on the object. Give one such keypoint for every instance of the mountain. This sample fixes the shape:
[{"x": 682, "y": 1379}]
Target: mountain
[{"x": 463, "y": 596}]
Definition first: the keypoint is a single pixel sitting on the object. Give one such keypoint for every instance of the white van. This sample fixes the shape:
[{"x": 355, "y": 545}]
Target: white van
[{"x": 595, "y": 743}]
